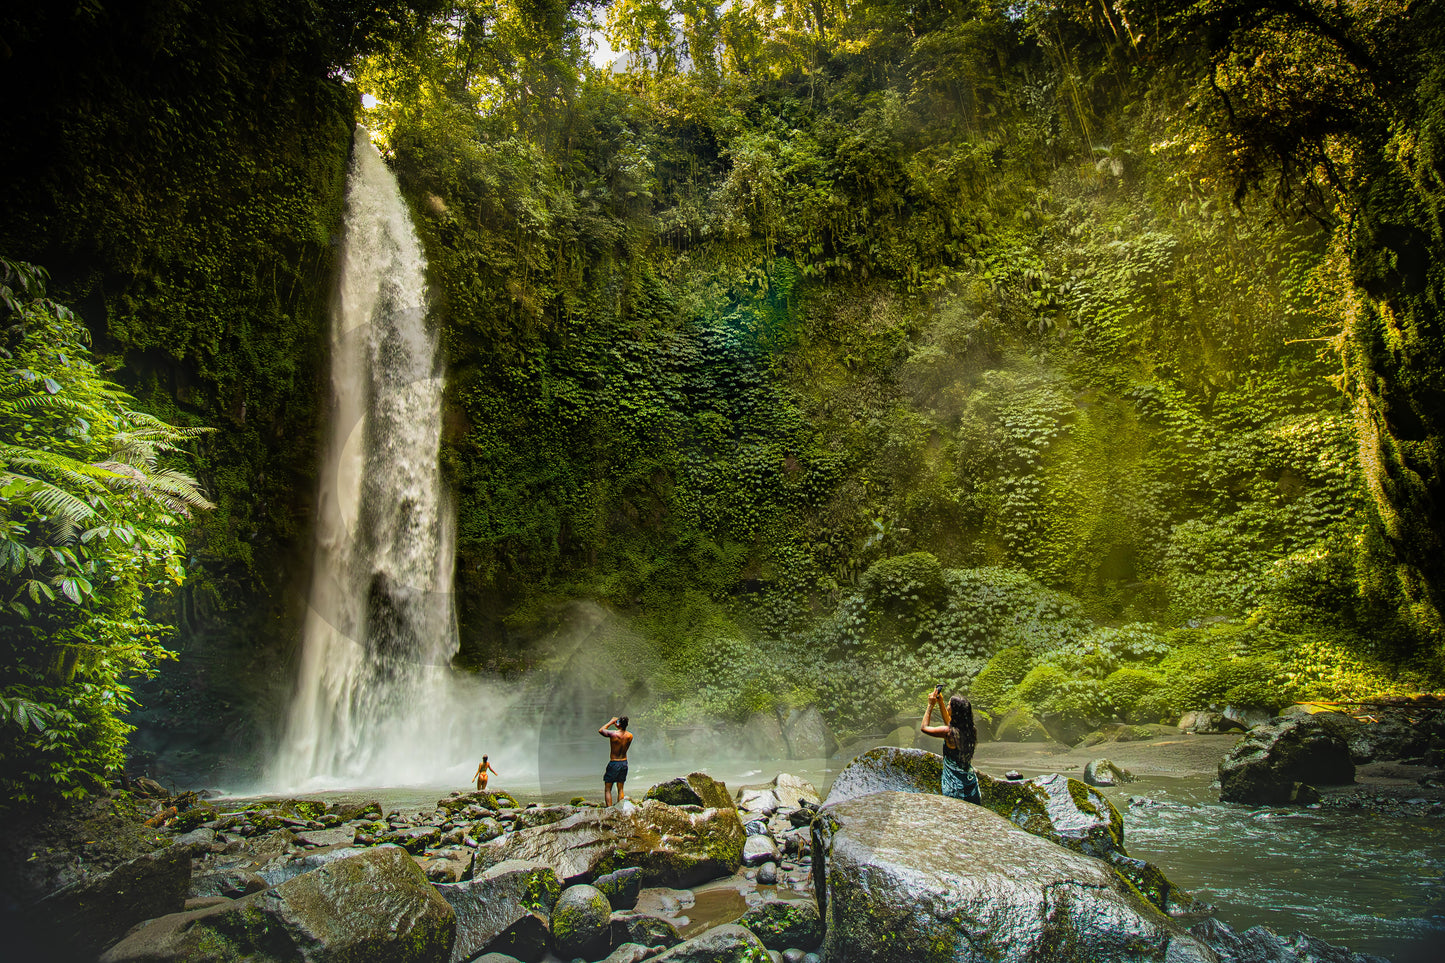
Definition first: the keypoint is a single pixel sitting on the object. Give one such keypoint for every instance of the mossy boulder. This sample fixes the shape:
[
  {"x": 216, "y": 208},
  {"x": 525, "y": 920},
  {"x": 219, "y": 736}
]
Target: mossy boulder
[
  {"x": 784, "y": 924},
  {"x": 644, "y": 930},
  {"x": 486, "y": 800},
  {"x": 581, "y": 923},
  {"x": 194, "y": 817},
  {"x": 542, "y": 816},
  {"x": 1020, "y": 725},
  {"x": 694, "y": 789},
  {"x": 722, "y": 944},
  {"x": 622, "y": 888},
  {"x": 376, "y": 905},
  {"x": 672, "y": 846},
  {"x": 95, "y": 912},
  {"x": 487, "y": 829},
  {"x": 308, "y": 809}
]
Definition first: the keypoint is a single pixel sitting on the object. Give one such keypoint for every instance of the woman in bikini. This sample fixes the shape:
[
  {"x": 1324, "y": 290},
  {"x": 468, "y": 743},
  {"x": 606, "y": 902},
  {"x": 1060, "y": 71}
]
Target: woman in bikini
[{"x": 481, "y": 776}]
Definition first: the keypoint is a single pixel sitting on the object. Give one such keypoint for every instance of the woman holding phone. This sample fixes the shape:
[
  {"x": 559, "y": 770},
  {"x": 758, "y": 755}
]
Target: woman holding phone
[{"x": 960, "y": 737}]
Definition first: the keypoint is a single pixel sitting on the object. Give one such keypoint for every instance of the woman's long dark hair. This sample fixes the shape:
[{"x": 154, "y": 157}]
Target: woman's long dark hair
[{"x": 961, "y": 730}]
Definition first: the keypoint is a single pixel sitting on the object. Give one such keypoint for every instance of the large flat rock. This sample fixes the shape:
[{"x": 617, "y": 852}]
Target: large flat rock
[{"x": 906, "y": 877}]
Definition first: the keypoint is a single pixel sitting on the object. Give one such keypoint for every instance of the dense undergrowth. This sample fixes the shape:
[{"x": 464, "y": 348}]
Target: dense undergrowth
[{"x": 837, "y": 352}]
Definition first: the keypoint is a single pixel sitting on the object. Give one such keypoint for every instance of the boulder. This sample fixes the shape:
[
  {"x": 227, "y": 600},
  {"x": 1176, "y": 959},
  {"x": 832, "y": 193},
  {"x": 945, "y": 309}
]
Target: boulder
[
  {"x": 1205, "y": 722},
  {"x": 1246, "y": 717},
  {"x": 1102, "y": 772},
  {"x": 763, "y": 736},
  {"x": 373, "y": 906},
  {"x": 640, "y": 928},
  {"x": 501, "y": 908},
  {"x": 808, "y": 736},
  {"x": 621, "y": 888},
  {"x": 672, "y": 846},
  {"x": 793, "y": 791},
  {"x": 581, "y": 923},
  {"x": 1261, "y": 945},
  {"x": 542, "y": 816},
  {"x": 694, "y": 789},
  {"x": 904, "y": 876},
  {"x": 485, "y": 830},
  {"x": 446, "y": 865},
  {"x": 1061, "y": 810},
  {"x": 1265, "y": 765},
  {"x": 722, "y": 944},
  {"x": 93, "y": 913},
  {"x": 630, "y": 953},
  {"x": 783, "y": 924},
  {"x": 1019, "y": 725}
]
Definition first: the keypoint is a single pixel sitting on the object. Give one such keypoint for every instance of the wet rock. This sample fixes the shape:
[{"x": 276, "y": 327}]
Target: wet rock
[
  {"x": 487, "y": 829},
  {"x": 446, "y": 866},
  {"x": 543, "y": 816},
  {"x": 722, "y": 944},
  {"x": 1204, "y": 722},
  {"x": 621, "y": 888},
  {"x": 231, "y": 883},
  {"x": 91, "y": 914},
  {"x": 1261, "y": 945},
  {"x": 326, "y": 837},
  {"x": 694, "y": 789},
  {"x": 808, "y": 736},
  {"x": 1019, "y": 725},
  {"x": 581, "y": 922},
  {"x": 1102, "y": 772},
  {"x": 914, "y": 876},
  {"x": 376, "y": 905},
  {"x": 672, "y": 846},
  {"x": 755, "y": 827},
  {"x": 759, "y": 849},
  {"x": 204, "y": 902},
  {"x": 1265, "y": 765},
  {"x": 785, "y": 923},
  {"x": 496, "y": 958},
  {"x": 768, "y": 874},
  {"x": 629, "y": 953},
  {"x": 503, "y": 909},
  {"x": 640, "y": 928},
  {"x": 414, "y": 839},
  {"x": 1245, "y": 717}
]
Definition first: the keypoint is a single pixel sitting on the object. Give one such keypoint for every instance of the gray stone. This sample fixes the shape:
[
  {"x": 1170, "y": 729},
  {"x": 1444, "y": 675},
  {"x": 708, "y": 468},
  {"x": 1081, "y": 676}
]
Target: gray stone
[
  {"x": 496, "y": 958},
  {"x": 93, "y": 913},
  {"x": 621, "y": 888},
  {"x": 1264, "y": 766},
  {"x": 1102, "y": 772},
  {"x": 672, "y": 846},
  {"x": 374, "y": 906},
  {"x": 785, "y": 923},
  {"x": 447, "y": 865},
  {"x": 581, "y": 922},
  {"x": 914, "y": 876},
  {"x": 486, "y": 829},
  {"x": 341, "y": 836},
  {"x": 542, "y": 816},
  {"x": 500, "y": 908},
  {"x": 629, "y": 953},
  {"x": 722, "y": 944},
  {"x": 644, "y": 929},
  {"x": 760, "y": 849},
  {"x": 768, "y": 874},
  {"x": 1245, "y": 717},
  {"x": 757, "y": 801},
  {"x": 808, "y": 735}
]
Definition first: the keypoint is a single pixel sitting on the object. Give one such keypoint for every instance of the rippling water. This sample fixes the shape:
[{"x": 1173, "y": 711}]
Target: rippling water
[{"x": 1375, "y": 884}]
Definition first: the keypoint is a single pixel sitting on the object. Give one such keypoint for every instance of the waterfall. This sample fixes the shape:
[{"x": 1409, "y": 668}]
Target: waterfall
[{"x": 376, "y": 702}]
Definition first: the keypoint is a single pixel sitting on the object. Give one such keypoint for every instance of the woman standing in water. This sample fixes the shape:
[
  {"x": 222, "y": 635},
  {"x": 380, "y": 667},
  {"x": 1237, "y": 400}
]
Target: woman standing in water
[
  {"x": 481, "y": 776},
  {"x": 960, "y": 737}
]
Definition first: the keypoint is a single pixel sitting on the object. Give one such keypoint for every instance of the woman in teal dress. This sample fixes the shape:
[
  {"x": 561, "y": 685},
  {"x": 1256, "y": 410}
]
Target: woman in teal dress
[{"x": 960, "y": 737}]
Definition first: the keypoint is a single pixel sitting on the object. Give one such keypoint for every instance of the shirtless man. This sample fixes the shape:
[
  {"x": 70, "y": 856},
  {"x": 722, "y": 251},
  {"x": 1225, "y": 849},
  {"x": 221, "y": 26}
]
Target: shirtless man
[{"x": 617, "y": 767}]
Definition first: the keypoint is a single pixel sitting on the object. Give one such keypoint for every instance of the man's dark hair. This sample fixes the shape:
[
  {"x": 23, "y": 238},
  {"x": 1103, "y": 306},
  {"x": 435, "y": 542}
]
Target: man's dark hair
[{"x": 622, "y": 723}]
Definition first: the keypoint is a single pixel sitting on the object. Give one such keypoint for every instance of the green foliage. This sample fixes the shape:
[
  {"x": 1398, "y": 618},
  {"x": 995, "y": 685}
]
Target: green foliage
[
  {"x": 88, "y": 541},
  {"x": 992, "y": 686}
]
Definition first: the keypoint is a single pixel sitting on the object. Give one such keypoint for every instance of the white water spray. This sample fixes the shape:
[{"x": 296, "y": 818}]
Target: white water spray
[{"x": 376, "y": 701}]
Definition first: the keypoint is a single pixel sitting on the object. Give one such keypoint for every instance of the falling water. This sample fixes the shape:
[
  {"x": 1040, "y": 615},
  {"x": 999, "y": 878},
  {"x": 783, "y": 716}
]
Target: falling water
[{"x": 376, "y": 702}]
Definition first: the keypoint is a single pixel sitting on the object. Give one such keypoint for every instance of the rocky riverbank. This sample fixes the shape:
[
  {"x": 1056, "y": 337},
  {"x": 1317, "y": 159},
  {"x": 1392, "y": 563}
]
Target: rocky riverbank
[{"x": 883, "y": 869}]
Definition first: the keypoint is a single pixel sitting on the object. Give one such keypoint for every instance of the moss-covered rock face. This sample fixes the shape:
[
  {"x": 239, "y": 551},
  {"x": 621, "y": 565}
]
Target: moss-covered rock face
[
  {"x": 1019, "y": 725},
  {"x": 581, "y": 923},
  {"x": 925, "y": 878},
  {"x": 461, "y": 801},
  {"x": 376, "y": 905},
  {"x": 785, "y": 924},
  {"x": 694, "y": 789}
]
